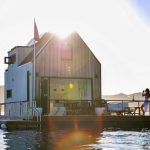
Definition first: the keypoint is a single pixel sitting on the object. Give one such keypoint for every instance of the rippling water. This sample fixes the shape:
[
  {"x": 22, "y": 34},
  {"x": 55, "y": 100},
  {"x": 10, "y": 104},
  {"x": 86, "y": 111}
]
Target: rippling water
[{"x": 68, "y": 139}]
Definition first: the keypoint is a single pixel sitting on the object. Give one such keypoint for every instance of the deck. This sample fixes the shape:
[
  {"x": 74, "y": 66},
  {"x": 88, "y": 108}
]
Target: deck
[
  {"x": 20, "y": 124},
  {"x": 82, "y": 121},
  {"x": 123, "y": 122},
  {"x": 77, "y": 114}
]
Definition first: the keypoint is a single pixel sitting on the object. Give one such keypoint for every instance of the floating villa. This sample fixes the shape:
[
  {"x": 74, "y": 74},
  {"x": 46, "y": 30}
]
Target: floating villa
[
  {"x": 59, "y": 80},
  {"x": 67, "y": 75}
]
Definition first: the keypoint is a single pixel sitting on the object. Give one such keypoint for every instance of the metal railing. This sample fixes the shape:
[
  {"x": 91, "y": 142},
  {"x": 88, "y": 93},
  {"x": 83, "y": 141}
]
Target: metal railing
[
  {"x": 75, "y": 107},
  {"x": 88, "y": 107},
  {"x": 127, "y": 107},
  {"x": 19, "y": 110},
  {"x": 36, "y": 111},
  {"x": 28, "y": 110}
]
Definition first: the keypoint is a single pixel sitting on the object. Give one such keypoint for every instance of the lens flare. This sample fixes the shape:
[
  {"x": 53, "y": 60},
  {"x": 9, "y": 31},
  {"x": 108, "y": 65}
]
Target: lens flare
[
  {"x": 74, "y": 139},
  {"x": 84, "y": 131}
]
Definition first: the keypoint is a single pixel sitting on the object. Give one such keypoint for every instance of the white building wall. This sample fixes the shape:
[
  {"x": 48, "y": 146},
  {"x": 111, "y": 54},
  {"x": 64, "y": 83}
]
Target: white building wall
[{"x": 16, "y": 79}]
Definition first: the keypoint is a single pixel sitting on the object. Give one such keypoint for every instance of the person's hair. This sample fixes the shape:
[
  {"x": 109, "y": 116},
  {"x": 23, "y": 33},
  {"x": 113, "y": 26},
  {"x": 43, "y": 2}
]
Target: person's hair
[{"x": 147, "y": 90}]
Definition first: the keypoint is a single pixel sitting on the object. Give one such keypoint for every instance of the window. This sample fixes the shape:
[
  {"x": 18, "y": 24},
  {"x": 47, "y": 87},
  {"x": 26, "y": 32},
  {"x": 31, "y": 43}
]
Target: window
[
  {"x": 10, "y": 60},
  {"x": 9, "y": 93},
  {"x": 7, "y": 60},
  {"x": 70, "y": 89}
]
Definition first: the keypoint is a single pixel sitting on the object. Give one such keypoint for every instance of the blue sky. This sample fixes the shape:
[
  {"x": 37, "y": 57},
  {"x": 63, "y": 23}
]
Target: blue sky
[
  {"x": 143, "y": 9},
  {"x": 117, "y": 32}
]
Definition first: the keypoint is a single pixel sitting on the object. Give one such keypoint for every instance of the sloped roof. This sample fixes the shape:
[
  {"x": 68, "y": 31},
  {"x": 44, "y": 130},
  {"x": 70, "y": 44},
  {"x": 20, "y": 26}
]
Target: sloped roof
[
  {"x": 45, "y": 39},
  {"x": 38, "y": 46}
]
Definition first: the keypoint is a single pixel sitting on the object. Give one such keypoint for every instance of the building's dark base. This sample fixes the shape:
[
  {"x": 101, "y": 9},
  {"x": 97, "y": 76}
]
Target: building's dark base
[
  {"x": 81, "y": 122},
  {"x": 101, "y": 122},
  {"x": 19, "y": 124}
]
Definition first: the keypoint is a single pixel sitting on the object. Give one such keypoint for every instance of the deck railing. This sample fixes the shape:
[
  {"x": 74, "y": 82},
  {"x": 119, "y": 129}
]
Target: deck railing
[
  {"x": 133, "y": 107},
  {"x": 19, "y": 110},
  {"x": 88, "y": 107},
  {"x": 28, "y": 110},
  {"x": 74, "y": 107}
]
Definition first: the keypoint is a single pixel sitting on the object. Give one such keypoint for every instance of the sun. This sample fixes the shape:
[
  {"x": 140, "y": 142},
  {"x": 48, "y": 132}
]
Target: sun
[
  {"x": 63, "y": 30},
  {"x": 62, "y": 33}
]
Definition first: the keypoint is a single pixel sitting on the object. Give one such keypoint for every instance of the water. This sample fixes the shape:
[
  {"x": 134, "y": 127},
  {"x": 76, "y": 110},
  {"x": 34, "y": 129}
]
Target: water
[{"x": 74, "y": 139}]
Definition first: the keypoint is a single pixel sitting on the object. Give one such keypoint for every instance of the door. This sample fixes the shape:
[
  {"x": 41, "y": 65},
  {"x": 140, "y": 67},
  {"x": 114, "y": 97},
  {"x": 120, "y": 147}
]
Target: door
[
  {"x": 44, "y": 94},
  {"x": 28, "y": 86}
]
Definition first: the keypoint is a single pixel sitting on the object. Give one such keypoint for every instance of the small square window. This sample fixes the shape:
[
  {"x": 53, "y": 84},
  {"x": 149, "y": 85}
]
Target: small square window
[
  {"x": 10, "y": 60},
  {"x": 9, "y": 93},
  {"x": 7, "y": 60}
]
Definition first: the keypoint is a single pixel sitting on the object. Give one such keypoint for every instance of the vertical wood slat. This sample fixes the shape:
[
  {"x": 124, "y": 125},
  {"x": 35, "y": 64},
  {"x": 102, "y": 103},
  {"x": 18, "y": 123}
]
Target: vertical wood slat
[{"x": 83, "y": 65}]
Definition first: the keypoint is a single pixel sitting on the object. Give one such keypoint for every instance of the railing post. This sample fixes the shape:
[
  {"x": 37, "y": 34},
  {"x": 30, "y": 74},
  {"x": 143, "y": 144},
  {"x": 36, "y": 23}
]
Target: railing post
[
  {"x": 139, "y": 108},
  {"x": 5, "y": 113},
  {"x": 32, "y": 109},
  {"x": 0, "y": 110},
  {"x": 37, "y": 116},
  {"x": 14, "y": 110},
  {"x": 9, "y": 110},
  {"x": 20, "y": 110},
  {"x": 122, "y": 106},
  {"x": 28, "y": 109}
]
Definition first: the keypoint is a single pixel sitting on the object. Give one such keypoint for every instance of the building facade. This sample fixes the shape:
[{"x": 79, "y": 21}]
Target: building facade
[{"x": 65, "y": 69}]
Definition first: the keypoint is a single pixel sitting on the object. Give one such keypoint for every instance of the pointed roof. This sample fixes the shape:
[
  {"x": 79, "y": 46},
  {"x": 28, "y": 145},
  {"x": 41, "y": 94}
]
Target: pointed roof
[
  {"x": 38, "y": 46},
  {"x": 45, "y": 39}
]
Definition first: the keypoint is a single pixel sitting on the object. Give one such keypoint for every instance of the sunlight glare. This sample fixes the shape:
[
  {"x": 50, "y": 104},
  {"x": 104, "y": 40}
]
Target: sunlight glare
[{"x": 63, "y": 30}]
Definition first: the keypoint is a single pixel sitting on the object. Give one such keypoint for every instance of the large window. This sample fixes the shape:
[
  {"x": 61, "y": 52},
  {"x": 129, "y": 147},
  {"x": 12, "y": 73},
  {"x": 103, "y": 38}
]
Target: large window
[{"x": 70, "y": 89}]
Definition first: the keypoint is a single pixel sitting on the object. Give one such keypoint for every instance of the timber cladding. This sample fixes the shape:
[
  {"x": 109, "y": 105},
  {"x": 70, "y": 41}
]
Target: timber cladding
[{"x": 68, "y": 58}]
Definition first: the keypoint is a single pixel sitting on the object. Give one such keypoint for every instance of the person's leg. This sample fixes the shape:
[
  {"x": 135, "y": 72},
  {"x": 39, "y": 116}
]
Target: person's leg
[
  {"x": 145, "y": 106},
  {"x": 142, "y": 108}
]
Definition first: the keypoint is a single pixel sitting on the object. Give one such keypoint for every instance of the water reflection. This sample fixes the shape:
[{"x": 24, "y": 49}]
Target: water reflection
[
  {"x": 66, "y": 139},
  {"x": 74, "y": 139},
  {"x": 2, "y": 140},
  {"x": 22, "y": 140},
  {"x": 118, "y": 140}
]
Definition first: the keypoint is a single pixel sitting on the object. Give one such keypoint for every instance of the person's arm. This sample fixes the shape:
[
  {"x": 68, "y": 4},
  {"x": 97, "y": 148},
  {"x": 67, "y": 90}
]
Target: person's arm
[{"x": 143, "y": 93}]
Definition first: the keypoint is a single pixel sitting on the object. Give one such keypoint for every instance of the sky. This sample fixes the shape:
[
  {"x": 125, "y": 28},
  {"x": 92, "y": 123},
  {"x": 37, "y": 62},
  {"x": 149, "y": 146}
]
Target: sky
[{"x": 117, "y": 32}]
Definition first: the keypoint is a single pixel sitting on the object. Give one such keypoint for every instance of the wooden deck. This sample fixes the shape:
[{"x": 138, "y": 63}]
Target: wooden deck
[
  {"x": 20, "y": 124},
  {"x": 82, "y": 121},
  {"x": 124, "y": 122}
]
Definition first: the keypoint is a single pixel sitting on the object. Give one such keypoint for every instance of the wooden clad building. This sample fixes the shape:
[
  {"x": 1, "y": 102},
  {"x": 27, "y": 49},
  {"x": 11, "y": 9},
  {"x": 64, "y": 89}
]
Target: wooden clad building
[{"x": 66, "y": 69}]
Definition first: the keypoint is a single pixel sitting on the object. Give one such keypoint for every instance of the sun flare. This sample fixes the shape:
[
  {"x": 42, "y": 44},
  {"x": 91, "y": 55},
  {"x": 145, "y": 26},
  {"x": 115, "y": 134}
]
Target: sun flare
[{"x": 63, "y": 30}]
